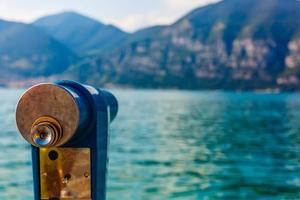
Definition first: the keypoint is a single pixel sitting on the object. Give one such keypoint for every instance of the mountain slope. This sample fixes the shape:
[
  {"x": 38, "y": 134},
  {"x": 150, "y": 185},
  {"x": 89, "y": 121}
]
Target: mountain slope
[
  {"x": 81, "y": 34},
  {"x": 233, "y": 44},
  {"x": 26, "y": 51}
]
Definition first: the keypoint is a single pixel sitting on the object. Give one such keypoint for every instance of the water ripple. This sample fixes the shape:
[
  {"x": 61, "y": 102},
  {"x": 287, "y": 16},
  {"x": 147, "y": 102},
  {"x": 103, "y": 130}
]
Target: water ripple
[{"x": 182, "y": 145}]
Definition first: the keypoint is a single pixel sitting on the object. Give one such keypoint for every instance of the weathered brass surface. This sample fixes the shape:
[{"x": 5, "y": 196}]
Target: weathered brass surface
[
  {"x": 65, "y": 173},
  {"x": 52, "y": 101}
]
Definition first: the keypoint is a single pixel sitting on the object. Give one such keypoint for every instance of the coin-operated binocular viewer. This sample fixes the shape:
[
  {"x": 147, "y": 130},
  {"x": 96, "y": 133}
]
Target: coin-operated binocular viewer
[{"x": 67, "y": 125}]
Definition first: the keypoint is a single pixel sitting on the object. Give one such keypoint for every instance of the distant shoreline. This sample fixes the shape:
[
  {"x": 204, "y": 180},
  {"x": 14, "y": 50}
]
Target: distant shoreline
[{"x": 127, "y": 88}]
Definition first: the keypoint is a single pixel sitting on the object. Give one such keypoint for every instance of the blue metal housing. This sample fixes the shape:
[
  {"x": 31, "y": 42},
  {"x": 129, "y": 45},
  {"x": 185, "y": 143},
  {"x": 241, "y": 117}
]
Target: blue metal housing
[{"x": 97, "y": 109}]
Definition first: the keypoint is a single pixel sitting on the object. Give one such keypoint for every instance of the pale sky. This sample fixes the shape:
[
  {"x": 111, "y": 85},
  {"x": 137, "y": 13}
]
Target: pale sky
[{"x": 129, "y": 15}]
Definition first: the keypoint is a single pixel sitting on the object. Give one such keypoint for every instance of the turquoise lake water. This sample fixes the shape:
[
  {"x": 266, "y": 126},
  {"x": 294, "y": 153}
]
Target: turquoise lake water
[{"x": 182, "y": 145}]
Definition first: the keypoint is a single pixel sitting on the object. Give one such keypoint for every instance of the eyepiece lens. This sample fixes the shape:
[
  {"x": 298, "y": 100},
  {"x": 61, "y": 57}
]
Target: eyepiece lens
[
  {"x": 45, "y": 132},
  {"x": 42, "y": 135}
]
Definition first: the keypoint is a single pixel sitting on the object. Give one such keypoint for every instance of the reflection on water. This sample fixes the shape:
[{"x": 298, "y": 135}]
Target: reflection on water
[
  {"x": 197, "y": 145},
  {"x": 183, "y": 145}
]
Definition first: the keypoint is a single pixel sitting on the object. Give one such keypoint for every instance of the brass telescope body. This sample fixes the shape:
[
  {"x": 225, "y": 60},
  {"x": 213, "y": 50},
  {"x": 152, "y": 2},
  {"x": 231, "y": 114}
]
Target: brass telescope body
[
  {"x": 67, "y": 125},
  {"x": 51, "y": 104},
  {"x": 46, "y": 131}
]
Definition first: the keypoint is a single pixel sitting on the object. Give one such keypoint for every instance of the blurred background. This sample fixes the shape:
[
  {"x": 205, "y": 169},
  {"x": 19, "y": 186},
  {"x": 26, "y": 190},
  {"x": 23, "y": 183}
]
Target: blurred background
[{"x": 208, "y": 91}]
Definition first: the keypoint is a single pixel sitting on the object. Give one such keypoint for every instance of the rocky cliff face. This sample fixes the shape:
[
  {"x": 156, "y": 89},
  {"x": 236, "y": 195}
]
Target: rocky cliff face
[{"x": 234, "y": 44}]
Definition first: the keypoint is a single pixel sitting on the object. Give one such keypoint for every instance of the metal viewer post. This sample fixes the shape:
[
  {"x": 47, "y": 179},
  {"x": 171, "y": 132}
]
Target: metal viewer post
[{"x": 67, "y": 125}]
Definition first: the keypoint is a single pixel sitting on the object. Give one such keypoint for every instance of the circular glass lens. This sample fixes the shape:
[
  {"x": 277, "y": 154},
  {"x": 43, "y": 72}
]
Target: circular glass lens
[{"x": 42, "y": 135}]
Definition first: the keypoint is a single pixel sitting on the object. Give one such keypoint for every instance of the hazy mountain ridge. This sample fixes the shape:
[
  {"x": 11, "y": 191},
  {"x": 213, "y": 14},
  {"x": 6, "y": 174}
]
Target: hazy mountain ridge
[
  {"x": 82, "y": 34},
  {"x": 233, "y": 44},
  {"x": 25, "y": 51}
]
